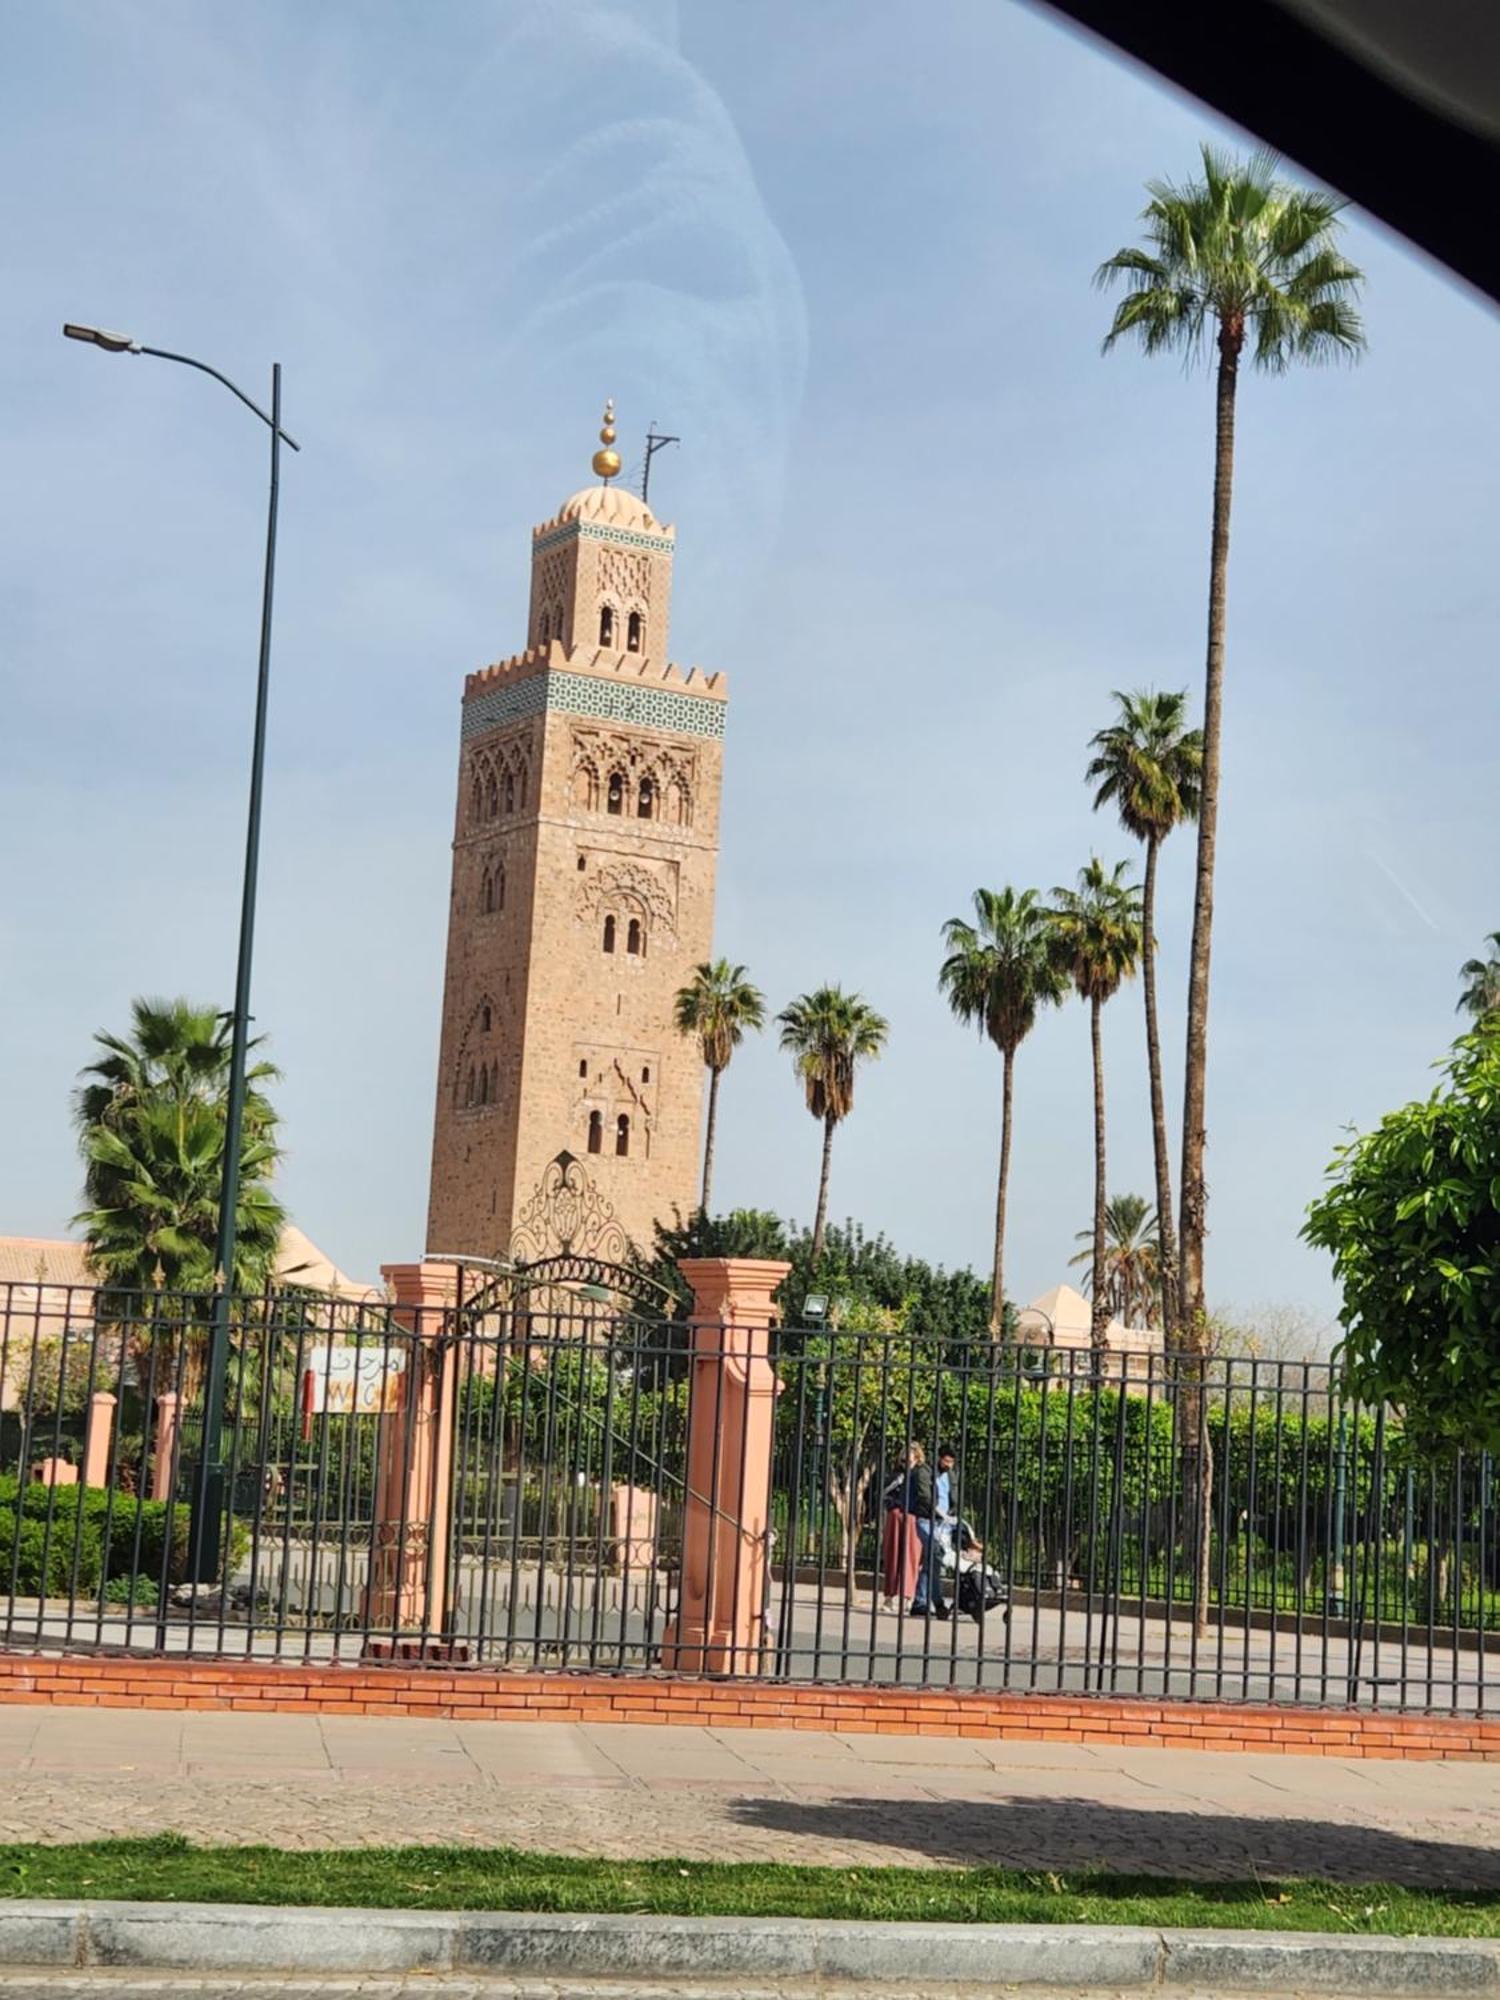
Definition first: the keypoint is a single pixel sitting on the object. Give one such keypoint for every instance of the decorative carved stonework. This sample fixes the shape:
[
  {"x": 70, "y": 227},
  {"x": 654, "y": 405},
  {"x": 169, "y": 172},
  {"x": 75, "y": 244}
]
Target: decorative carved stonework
[{"x": 622, "y": 885}]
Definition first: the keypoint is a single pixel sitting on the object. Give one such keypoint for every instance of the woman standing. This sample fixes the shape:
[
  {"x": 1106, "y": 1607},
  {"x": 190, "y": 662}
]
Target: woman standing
[{"x": 900, "y": 1543}]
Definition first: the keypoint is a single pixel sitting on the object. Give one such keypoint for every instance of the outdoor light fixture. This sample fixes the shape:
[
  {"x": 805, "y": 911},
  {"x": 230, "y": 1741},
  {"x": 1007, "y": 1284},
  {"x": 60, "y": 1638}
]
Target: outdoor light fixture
[
  {"x": 206, "y": 1517},
  {"x": 113, "y": 343},
  {"x": 815, "y": 1306}
]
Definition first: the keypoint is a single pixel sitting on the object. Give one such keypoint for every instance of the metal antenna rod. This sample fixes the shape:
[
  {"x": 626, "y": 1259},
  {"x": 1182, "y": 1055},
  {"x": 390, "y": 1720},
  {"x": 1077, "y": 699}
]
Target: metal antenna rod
[{"x": 654, "y": 441}]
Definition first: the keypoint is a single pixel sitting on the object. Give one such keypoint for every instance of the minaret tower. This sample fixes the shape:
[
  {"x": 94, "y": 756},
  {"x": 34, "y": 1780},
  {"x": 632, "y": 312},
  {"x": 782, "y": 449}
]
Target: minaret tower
[{"x": 584, "y": 852}]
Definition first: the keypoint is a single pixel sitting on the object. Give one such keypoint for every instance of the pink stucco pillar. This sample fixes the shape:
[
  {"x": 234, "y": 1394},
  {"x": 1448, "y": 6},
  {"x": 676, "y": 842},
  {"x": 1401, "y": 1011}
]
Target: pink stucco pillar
[
  {"x": 414, "y": 1462},
  {"x": 97, "y": 1437},
  {"x": 727, "y": 1504},
  {"x": 164, "y": 1453}
]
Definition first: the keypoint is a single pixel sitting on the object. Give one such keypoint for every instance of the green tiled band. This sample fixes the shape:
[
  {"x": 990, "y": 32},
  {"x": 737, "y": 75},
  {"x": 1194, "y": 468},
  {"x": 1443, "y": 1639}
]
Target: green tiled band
[
  {"x": 600, "y": 531},
  {"x": 605, "y": 701}
]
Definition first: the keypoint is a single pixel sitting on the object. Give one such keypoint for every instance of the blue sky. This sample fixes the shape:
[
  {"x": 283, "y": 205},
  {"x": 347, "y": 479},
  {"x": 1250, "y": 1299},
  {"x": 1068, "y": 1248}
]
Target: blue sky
[{"x": 845, "y": 251}]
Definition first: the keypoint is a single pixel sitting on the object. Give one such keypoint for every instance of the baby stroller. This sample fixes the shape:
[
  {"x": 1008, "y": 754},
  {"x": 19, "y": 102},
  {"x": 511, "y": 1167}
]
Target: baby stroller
[{"x": 978, "y": 1589}]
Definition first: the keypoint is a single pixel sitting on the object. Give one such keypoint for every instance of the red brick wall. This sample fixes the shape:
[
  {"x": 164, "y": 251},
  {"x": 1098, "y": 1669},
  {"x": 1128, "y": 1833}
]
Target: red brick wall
[{"x": 101, "y": 1681}]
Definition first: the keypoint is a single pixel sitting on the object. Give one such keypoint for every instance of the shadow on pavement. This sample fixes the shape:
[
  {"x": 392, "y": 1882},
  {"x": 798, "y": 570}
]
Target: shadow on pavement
[{"x": 1062, "y": 1835}]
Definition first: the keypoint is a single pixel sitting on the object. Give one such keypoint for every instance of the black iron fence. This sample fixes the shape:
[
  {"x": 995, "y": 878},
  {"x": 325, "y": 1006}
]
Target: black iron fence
[{"x": 510, "y": 1484}]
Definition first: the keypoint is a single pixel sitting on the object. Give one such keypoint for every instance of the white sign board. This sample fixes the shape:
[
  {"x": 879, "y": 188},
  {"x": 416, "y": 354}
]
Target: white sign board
[{"x": 352, "y": 1381}]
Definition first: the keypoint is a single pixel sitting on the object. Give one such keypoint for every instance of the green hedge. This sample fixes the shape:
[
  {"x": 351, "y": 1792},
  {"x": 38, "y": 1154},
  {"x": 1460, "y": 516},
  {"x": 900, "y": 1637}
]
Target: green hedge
[{"x": 35, "y": 1518}]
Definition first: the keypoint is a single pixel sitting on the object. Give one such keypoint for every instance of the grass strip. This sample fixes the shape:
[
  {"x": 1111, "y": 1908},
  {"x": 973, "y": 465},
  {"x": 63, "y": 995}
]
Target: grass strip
[{"x": 166, "y": 1868}]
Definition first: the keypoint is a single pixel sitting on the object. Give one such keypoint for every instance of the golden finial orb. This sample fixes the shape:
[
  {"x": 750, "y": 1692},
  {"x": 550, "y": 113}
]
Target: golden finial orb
[{"x": 607, "y": 461}]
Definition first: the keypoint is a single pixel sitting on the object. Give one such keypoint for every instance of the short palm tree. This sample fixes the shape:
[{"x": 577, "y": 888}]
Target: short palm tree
[
  {"x": 1481, "y": 994},
  {"x": 1097, "y": 940},
  {"x": 717, "y": 1005},
  {"x": 151, "y": 1114},
  {"x": 1132, "y": 1258},
  {"x": 1147, "y": 764},
  {"x": 1248, "y": 261},
  {"x": 828, "y": 1034},
  {"x": 999, "y": 971}
]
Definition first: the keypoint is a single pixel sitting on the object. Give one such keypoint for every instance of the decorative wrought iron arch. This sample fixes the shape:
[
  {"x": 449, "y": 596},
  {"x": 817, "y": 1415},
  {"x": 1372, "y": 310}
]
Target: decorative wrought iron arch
[{"x": 568, "y": 1235}]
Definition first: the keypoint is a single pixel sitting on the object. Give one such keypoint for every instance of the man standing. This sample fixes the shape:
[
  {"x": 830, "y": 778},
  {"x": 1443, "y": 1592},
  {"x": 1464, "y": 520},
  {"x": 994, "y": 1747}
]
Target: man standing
[{"x": 928, "y": 1497}]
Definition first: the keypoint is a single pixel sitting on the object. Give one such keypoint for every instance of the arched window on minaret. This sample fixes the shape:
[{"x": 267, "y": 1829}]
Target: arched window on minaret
[
  {"x": 609, "y": 933},
  {"x": 494, "y": 889},
  {"x": 606, "y": 625},
  {"x": 635, "y": 632},
  {"x": 646, "y": 800},
  {"x": 622, "y": 1135},
  {"x": 635, "y": 939},
  {"x": 616, "y": 796},
  {"x": 557, "y": 624},
  {"x": 469, "y": 1086},
  {"x": 510, "y": 791},
  {"x": 484, "y": 1018},
  {"x": 484, "y": 1085},
  {"x": 543, "y": 630},
  {"x": 491, "y": 797},
  {"x": 596, "y": 1132}
]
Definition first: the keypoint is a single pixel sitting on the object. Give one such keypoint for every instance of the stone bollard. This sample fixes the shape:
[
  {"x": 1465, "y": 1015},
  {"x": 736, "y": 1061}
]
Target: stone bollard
[
  {"x": 164, "y": 1454},
  {"x": 98, "y": 1436},
  {"x": 407, "y": 1588},
  {"x": 54, "y": 1472},
  {"x": 727, "y": 1504},
  {"x": 635, "y": 1511}
]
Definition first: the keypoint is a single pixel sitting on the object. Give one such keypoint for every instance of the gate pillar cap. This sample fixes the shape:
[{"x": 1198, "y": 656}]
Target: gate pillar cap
[
  {"x": 422, "y": 1284},
  {"x": 733, "y": 1290}
]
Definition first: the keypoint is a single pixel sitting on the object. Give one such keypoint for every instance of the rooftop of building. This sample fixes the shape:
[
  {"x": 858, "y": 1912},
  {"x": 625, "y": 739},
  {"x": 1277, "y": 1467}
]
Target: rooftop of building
[
  {"x": 1063, "y": 1317},
  {"x": 62, "y": 1261}
]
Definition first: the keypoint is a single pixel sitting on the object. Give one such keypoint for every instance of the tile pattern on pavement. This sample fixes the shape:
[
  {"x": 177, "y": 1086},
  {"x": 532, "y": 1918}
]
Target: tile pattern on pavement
[{"x": 627, "y": 1791}]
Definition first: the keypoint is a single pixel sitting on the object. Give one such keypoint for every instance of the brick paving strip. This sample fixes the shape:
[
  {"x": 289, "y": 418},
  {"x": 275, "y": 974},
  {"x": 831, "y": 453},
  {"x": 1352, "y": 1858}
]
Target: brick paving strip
[{"x": 626, "y": 1791}]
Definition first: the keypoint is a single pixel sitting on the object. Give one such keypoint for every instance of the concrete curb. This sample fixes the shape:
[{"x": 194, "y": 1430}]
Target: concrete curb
[{"x": 249, "y": 1939}]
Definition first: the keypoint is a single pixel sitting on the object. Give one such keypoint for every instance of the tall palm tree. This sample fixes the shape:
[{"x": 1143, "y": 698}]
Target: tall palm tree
[
  {"x": 828, "y": 1034},
  {"x": 151, "y": 1113},
  {"x": 1132, "y": 1258},
  {"x": 999, "y": 970},
  {"x": 1097, "y": 941},
  {"x": 1481, "y": 995},
  {"x": 1147, "y": 764},
  {"x": 717, "y": 1006},
  {"x": 1252, "y": 262}
]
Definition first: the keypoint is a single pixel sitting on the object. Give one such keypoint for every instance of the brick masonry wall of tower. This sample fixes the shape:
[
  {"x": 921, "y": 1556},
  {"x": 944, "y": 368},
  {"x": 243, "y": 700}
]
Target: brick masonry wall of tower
[{"x": 549, "y": 1039}]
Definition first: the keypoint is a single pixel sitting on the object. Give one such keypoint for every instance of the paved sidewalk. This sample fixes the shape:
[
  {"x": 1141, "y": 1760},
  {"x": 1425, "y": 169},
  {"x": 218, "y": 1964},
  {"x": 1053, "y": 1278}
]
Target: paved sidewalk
[{"x": 626, "y": 1791}]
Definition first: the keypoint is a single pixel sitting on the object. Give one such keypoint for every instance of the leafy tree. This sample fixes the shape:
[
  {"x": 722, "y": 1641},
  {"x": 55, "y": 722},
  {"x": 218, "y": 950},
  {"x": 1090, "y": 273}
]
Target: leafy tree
[
  {"x": 1097, "y": 939},
  {"x": 717, "y": 1005},
  {"x": 1481, "y": 994},
  {"x": 856, "y": 1271},
  {"x": 1250, "y": 261},
  {"x": 1412, "y": 1219},
  {"x": 1147, "y": 763},
  {"x": 1132, "y": 1258},
  {"x": 828, "y": 1034},
  {"x": 151, "y": 1114},
  {"x": 999, "y": 971}
]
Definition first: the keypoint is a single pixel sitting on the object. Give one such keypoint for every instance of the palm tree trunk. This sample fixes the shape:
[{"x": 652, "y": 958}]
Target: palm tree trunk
[
  {"x": 1166, "y": 1233},
  {"x": 820, "y": 1221},
  {"x": 1099, "y": 1315},
  {"x": 1193, "y": 1309},
  {"x": 708, "y": 1137},
  {"x": 997, "y": 1307}
]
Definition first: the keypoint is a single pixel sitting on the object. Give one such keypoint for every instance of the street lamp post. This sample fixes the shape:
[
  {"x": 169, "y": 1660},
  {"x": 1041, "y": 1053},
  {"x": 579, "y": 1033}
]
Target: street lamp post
[{"x": 207, "y": 1517}]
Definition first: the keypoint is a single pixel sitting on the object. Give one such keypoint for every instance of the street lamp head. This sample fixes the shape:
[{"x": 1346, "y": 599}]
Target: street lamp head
[{"x": 96, "y": 336}]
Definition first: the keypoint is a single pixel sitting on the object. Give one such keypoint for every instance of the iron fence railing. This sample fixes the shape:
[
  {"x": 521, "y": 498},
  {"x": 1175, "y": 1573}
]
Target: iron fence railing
[{"x": 510, "y": 1485}]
